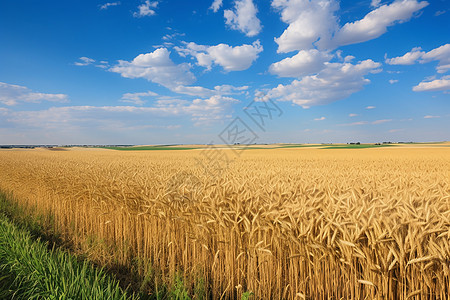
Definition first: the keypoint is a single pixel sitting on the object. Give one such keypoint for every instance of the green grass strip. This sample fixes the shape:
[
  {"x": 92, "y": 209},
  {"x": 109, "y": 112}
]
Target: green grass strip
[{"x": 29, "y": 270}]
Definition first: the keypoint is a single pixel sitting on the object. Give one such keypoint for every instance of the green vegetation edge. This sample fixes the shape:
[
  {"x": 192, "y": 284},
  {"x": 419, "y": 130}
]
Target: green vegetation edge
[{"x": 30, "y": 269}]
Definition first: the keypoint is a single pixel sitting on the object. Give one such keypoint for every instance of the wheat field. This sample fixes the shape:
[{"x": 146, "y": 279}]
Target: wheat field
[{"x": 282, "y": 223}]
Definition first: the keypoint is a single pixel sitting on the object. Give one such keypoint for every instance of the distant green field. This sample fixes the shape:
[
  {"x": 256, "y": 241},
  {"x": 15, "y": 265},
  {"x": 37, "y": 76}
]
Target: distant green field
[
  {"x": 362, "y": 146},
  {"x": 301, "y": 146},
  {"x": 140, "y": 148},
  {"x": 249, "y": 147}
]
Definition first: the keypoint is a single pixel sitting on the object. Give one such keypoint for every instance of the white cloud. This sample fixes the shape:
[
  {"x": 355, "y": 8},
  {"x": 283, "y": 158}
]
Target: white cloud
[
  {"x": 352, "y": 115},
  {"x": 375, "y": 3},
  {"x": 315, "y": 24},
  {"x": 355, "y": 123},
  {"x": 230, "y": 58},
  {"x": 440, "y": 12},
  {"x": 375, "y": 23},
  {"x": 359, "y": 123},
  {"x": 392, "y": 81},
  {"x": 320, "y": 119},
  {"x": 309, "y": 22},
  {"x": 109, "y": 118},
  {"x": 146, "y": 9},
  {"x": 381, "y": 121},
  {"x": 157, "y": 67},
  {"x": 408, "y": 58},
  {"x": 441, "y": 54},
  {"x": 305, "y": 62},
  {"x": 194, "y": 91},
  {"x": 431, "y": 117},
  {"x": 108, "y": 4},
  {"x": 171, "y": 36},
  {"x": 243, "y": 18},
  {"x": 84, "y": 61},
  {"x": 434, "y": 85},
  {"x": 135, "y": 98},
  {"x": 200, "y": 91},
  {"x": 11, "y": 94},
  {"x": 337, "y": 81},
  {"x": 370, "y": 107},
  {"x": 216, "y": 5}
]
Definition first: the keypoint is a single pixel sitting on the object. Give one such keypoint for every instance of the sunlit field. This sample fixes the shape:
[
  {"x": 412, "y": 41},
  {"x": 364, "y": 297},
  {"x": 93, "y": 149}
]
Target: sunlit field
[{"x": 278, "y": 223}]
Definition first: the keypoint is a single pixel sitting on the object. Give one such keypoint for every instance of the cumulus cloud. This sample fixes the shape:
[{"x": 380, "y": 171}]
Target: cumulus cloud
[
  {"x": 146, "y": 9},
  {"x": 135, "y": 98},
  {"x": 442, "y": 84},
  {"x": 108, "y": 4},
  {"x": 416, "y": 55},
  {"x": 11, "y": 94},
  {"x": 376, "y": 22},
  {"x": 157, "y": 67},
  {"x": 230, "y": 58},
  {"x": 243, "y": 18},
  {"x": 216, "y": 5},
  {"x": 337, "y": 81},
  {"x": 310, "y": 22},
  {"x": 84, "y": 61},
  {"x": 305, "y": 62},
  {"x": 315, "y": 24},
  {"x": 441, "y": 54},
  {"x": 408, "y": 58}
]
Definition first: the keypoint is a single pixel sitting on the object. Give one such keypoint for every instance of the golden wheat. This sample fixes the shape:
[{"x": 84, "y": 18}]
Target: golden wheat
[{"x": 283, "y": 223}]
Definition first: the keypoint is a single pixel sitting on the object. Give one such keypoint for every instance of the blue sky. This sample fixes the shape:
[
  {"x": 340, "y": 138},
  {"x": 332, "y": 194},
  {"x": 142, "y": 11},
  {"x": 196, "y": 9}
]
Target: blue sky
[{"x": 169, "y": 72}]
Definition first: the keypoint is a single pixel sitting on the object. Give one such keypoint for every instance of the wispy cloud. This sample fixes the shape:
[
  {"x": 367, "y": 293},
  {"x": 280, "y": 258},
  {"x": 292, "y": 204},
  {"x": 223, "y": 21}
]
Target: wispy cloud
[
  {"x": 375, "y": 3},
  {"x": 216, "y": 5},
  {"x": 352, "y": 115},
  {"x": 84, "y": 61},
  {"x": 370, "y": 107},
  {"x": 11, "y": 94},
  {"x": 320, "y": 119},
  {"x": 355, "y": 123},
  {"x": 431, "y": 117},
  {"x": 135, "y": 98},
  {"x": 108, "y": 4},
  {"x": 381, "y": 121}
]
